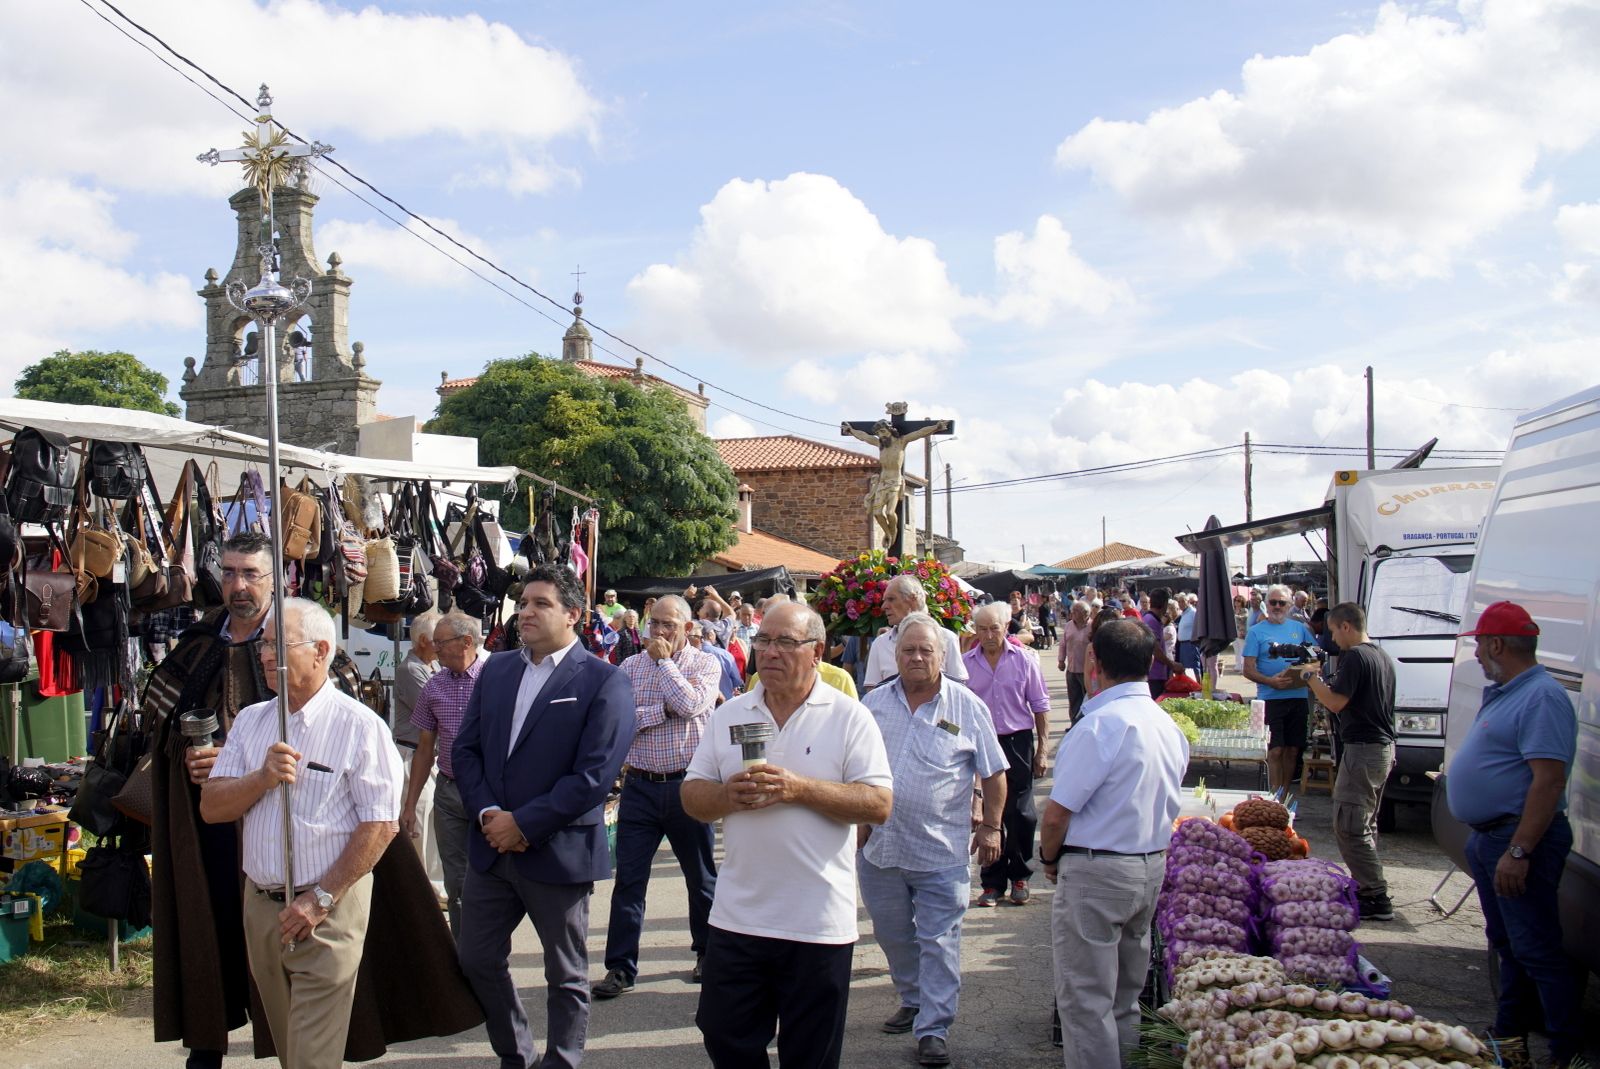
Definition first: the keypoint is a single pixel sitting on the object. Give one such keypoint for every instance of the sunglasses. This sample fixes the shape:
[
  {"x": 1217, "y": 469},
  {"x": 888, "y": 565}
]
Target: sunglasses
[{"x": 1277, "y": 604}]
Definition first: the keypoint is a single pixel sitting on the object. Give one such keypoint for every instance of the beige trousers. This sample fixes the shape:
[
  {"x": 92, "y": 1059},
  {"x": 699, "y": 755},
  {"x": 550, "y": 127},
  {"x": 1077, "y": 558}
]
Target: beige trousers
[{"x": 308, "y": 991}]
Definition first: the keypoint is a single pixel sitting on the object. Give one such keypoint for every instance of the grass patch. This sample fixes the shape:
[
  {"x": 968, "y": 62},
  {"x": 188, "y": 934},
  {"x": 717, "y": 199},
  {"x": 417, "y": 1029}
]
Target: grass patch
[{"x": 67, "y": 976}]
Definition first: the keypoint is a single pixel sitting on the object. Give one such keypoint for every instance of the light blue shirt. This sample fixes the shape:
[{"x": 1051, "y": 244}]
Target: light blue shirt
[
  {"x": 1186, "y": 625},
  {"x": 1120, "y": 773},
  {"x": 935, "y": 754},
  {"x": 1264, "y": 634},
  {"x": 1529, "y": 718}
]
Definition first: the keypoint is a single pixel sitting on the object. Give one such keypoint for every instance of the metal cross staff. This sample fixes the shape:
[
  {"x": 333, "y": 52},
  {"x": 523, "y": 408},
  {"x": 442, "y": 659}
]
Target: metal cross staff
[{"x": 268, "y": 159}]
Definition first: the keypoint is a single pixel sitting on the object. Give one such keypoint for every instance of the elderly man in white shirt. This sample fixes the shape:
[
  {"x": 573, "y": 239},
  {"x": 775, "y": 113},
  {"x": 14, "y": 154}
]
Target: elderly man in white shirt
[
  {"x": 903, "y": 596},
  {"x": 304, "y": 931},
  {"x": 1102, "y": 841}
]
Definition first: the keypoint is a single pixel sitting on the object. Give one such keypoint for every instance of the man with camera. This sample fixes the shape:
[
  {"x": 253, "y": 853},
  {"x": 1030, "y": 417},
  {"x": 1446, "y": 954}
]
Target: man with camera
[
  {"x": 1360, "y": 698},
  {"x": 1288, "y": 700}
]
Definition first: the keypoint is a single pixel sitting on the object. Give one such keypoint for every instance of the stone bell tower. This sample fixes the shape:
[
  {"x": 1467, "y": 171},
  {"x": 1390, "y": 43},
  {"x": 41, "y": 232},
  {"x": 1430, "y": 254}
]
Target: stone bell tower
[{"x": 324, "y": 391}]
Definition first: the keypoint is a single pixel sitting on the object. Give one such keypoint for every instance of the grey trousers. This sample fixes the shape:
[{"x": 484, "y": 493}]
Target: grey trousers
[
  {"x": 493, "y": 905},
  {"x": 450, "y": 829},
  {"x": 1357, "y": 793},
  {"x": 1100, "y": 933}
]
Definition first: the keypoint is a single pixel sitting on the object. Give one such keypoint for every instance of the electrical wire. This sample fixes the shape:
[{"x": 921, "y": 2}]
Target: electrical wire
[{"x": 473, "y": 253}]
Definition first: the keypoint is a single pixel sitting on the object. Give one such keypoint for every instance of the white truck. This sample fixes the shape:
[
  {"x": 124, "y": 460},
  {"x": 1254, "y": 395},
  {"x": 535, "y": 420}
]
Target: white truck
[{"x": 1400, "y": 544}]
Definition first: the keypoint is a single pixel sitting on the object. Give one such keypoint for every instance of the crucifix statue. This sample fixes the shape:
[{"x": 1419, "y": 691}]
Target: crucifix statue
[{"x": 891, "y": 436}]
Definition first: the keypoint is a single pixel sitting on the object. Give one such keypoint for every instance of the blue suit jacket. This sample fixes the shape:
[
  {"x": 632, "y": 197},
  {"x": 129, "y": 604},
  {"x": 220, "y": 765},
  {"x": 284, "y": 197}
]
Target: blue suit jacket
[{"x": 555, "y": 777}]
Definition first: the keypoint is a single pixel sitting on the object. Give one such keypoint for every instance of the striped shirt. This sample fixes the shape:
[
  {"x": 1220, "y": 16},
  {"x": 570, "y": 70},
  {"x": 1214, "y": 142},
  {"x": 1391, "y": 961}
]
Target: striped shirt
[
  {"x": 935, "y": 753},
  {"x": 442, "y": 706},
  {"x": 672, "y": 698},
  {"x": 363, "y": 785}
]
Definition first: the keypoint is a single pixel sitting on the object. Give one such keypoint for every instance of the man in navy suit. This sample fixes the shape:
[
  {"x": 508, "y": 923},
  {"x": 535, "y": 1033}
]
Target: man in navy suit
[{"x": 544, "y": 737}]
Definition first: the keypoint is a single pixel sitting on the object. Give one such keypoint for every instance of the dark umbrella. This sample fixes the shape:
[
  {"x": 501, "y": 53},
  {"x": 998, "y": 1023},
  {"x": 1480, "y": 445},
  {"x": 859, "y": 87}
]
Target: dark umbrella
[{"x": 1214, "y": 624}]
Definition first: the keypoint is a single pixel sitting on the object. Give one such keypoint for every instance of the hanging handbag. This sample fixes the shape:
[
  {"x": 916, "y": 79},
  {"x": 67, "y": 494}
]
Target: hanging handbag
[
  {"x": 51, "y": 595},
  {"x": 115, "y": 884},
  {"x": 39, "y": 484},
  {"x": 16, "y": 651},
  {"x": 383, "y": 570},
  {"x": 137, "y": 799},
  {"x": 119, "y": 747},
  {"x": 170, "y": 583},
  {"x": 115, "y": 469},
  {"x": 301, "y": 521},
  {"x": 202, "y": 559},
  {"x": 95, "y": 550}
]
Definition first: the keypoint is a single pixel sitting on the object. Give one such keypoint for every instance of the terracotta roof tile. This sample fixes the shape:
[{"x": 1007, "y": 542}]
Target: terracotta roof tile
[
  {"x": 1113, "y": 551},
  {"x": 593, "y": 368},
  {"x": 787, "y": 452},
  {"x": 758, "y": 549}
]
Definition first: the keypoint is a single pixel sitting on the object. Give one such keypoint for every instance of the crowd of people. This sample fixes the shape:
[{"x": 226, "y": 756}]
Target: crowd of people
[{"x": 881, "y": 767}]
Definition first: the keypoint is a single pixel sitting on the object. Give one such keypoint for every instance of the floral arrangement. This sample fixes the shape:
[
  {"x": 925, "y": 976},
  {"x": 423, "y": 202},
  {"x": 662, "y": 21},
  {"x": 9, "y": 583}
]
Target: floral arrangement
[{"x": 850, "y": 598}]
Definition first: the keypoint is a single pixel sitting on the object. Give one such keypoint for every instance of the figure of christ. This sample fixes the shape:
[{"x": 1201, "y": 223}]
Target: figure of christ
[{"x": 883, "y": 500}]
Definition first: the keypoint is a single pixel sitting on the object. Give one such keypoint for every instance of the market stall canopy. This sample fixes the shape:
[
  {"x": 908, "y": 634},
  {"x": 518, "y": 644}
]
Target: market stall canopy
[
  {"x": 169, "y": 442},
  {"x": 1290, "y": 523},
  {"x": 999, "y": 585},
  {"x": 1144, "y": 564},
  {"x": 752, "y": 585}
]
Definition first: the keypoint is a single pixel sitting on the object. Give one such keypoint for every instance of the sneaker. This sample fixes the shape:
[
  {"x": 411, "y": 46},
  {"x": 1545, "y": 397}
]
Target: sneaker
[
  {"x": 989, "y": 899},
  {"x": 1019, "y": 892},
  {"x": 901, "y": 1022},
  {"x": 1376, "y": 908},
  {"x": 616, "y": 982}
]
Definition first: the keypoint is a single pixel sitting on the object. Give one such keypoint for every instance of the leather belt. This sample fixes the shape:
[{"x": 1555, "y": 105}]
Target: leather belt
[
  {"x": 276, "y": 894},
  {"x": 407, "y": 745},
  {"x": 1110, "y": 853},
  {"x": 1497, "y": 823},
  {"x": 657, "y": 777}
]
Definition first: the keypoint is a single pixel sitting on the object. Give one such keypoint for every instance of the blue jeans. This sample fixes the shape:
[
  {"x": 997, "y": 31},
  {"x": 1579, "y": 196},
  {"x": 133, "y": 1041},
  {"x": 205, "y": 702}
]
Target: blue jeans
[
  {"x": 1526, "y": 933},
  {"x": 916, "y": 917},
  {"x": 647, "y": 812}
]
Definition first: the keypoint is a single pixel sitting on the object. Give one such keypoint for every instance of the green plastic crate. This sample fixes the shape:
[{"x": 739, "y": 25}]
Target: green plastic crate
[{"x": 15, "y": 912}]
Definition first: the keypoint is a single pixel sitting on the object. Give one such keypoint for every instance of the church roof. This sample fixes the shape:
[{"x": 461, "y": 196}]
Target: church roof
[
  {"x": 1112, "y": 551},
  {"x": 758, "y": 550},
  {"x": 594, "y": 369},
  {"x": 788, "y": 452}
]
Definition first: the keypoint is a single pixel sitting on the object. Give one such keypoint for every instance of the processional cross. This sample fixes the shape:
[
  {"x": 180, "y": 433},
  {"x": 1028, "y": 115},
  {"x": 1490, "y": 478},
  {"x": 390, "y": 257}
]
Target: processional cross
[
  {"x": 269, "y": 160},
  {"x": 891, "y": 436}
]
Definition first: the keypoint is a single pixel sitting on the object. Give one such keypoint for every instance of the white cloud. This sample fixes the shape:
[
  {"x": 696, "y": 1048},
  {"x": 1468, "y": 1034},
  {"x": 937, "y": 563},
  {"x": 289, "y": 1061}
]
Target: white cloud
[
  {"x": 1397, "y": 147},
  {"x": 62, "y": 279},
  {"x": 1578, "y": 284},
  {"x": 800, "y": 265},
  {"x": 112, "y": 112},
  {"x": 731, "y": 425},
  {"x": 519, "y": 176},
  {"x": 1042, "y": 276},
  {"x": 385, "y": 248},
  {"x": 876, "y": 378},
  {"x": 1579, "y": 227}
]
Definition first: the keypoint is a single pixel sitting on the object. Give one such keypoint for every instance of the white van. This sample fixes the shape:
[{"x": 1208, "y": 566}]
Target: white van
[{"x": 1540, "y": 547}]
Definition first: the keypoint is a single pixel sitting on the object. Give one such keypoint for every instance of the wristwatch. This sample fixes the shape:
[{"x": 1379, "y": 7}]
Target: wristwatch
[
  {"x": 324, "y": 899},
  {"x": 1518, "y": 852}
]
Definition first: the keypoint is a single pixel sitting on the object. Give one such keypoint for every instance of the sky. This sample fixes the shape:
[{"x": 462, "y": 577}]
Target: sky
[{"x": 1090, "y": 234}]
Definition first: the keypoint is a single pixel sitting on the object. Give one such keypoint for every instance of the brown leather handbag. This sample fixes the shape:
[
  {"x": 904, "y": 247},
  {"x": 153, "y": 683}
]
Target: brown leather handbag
[
  {"x": 169, "y": 582},
  {"x": 51, "y": 596},
  {"x": 96, "y": 546},
  {"x": 302, "y": 521}
]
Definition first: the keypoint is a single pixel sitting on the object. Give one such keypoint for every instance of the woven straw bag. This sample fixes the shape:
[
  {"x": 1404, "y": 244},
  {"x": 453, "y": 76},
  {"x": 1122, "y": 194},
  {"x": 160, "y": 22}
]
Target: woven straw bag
[{"x": 383, "y": 570}]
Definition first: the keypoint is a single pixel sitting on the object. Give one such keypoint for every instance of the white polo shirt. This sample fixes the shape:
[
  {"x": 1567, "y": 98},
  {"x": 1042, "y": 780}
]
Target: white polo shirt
[
  {"x": 790, "y": 872},
  {"x": 1120, "y": 772},
  {"x": 881, "y": 664}
]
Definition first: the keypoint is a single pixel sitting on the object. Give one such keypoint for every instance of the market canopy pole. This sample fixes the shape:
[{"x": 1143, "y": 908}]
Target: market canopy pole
[{"x": 268, "y": 160}]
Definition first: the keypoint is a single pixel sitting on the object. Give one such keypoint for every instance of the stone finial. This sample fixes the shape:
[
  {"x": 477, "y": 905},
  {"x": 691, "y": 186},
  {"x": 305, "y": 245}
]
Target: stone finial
[
  {"x": 211, "y": 276},
  {"x": 702, "y": 389},
  {"x": 444, "y": 377},
  {"x": 360, "y": 351},
  {"x": 334, "y": 260},
  {"x": 188, "y": 361},
  {"x": 638, "y": 369}
]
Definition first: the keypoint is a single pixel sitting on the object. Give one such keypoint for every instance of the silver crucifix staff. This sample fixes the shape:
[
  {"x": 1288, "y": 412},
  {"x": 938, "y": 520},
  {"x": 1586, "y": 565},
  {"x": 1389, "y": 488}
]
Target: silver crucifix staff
[{"x": 268, "y": 159}]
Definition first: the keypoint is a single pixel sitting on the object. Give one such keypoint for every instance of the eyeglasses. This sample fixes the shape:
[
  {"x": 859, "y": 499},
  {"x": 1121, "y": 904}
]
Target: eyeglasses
[
  {"x": 664, "y": 625},
  {"x": 272, "y": 647},
  {"x": 249, "y": 575},
  {"x": 784, "y": 645},
  {"x": 1276, "y": 604},
  {"x": 441, "y": 643}
]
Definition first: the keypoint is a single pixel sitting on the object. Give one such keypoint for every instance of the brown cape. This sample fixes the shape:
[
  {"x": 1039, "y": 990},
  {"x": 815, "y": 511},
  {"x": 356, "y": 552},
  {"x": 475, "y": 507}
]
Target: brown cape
[{"x": 202, "y": 983}]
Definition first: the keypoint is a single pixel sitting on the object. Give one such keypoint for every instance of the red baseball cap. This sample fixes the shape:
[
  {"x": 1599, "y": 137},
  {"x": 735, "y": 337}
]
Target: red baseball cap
[{"x": 1504, "y": 618}]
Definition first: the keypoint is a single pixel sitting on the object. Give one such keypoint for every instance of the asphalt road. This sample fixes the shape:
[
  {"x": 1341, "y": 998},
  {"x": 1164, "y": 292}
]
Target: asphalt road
[{"x": 1437, "y": 964}]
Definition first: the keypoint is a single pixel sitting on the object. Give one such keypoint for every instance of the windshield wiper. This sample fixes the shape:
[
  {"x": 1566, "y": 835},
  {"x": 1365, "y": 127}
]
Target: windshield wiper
[{"x": 1432, "y": 613}]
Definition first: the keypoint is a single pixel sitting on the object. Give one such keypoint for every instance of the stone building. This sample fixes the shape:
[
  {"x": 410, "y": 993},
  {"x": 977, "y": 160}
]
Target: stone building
[
  {"x": 324, "y": 391},
  {"x": 577, "y": 349}
]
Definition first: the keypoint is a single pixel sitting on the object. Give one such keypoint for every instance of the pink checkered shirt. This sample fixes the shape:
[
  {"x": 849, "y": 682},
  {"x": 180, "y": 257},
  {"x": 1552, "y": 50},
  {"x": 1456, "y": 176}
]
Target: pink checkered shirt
[
  {"x": 442, "y": 706},
  {"x": 672, "y": 698}
]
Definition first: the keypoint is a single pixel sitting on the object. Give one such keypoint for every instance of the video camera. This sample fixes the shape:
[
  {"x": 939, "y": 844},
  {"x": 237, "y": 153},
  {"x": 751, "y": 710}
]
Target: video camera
[{"x": 1296, "y": 653}]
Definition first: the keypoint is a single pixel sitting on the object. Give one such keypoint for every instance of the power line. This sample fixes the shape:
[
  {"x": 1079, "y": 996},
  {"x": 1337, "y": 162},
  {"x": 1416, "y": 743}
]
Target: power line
[{"x": 494, "y": 267}]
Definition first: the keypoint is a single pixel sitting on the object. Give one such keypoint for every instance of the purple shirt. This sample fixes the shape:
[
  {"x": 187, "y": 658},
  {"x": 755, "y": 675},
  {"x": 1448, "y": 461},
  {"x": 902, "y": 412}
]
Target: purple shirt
[
  {"x": 1013, "y": 689},
  {"x": 1158, "y": 667},
  {"x": 442, "y": 706},
  {"x": 1073, "y": 645}
]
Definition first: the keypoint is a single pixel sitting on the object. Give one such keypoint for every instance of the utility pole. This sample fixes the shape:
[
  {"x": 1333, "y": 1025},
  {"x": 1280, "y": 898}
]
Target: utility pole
[
  {"x": 927, "y": 496},
  {"x": 1372, "y": 455},
  {"x": 1249, "y": 509},
  {"x": 949, "y": 508},
  {"x": 1102, "y": 539}
]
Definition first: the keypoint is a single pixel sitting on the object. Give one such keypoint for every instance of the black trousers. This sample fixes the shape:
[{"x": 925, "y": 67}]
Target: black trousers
[
  {"x": 755, "y": 986},
  {"x": 1019, "y": 818},
  {"x": 1075, "y": 695}
]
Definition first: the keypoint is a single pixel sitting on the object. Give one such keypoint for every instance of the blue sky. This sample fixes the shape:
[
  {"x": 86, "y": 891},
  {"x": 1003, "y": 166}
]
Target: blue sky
[{"x": 1090, "y": 233}]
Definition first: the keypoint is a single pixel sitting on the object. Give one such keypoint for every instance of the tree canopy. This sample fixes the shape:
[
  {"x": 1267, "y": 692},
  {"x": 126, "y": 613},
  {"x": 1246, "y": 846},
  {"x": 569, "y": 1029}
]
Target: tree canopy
[
  {"x": 114, "y": 380},
  {"x": 667, "y": 498}
]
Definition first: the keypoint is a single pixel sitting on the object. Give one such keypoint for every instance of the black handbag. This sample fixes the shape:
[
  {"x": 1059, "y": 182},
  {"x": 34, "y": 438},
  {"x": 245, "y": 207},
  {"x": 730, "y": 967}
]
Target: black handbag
[
  {"x": 115, "y": 884},
  {"x": 119, "y": 748},
  {"x": 116, "y": 469},
  {"x": 208, "y": 535}
]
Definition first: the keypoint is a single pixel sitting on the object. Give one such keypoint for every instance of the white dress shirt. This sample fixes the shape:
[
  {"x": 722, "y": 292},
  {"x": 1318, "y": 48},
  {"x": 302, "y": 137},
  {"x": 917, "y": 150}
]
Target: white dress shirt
[
  {"x": 881, "y": 664},
  {"x": 534, "y": 677}
]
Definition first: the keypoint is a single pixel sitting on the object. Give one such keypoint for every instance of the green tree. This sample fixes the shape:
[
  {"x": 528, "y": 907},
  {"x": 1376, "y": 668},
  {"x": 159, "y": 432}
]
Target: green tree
[
  {"x": 114, "y": 380},
  {"x": 666, "y": 497}
]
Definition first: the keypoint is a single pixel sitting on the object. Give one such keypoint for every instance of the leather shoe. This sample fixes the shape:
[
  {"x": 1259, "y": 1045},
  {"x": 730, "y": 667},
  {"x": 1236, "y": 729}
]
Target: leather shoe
[
  {"x": 902, "y": 1021},
  {"x": 931, "y": 1050},
  {"x": 699, "y": 969},
  {"x": 615, "y": 983}
]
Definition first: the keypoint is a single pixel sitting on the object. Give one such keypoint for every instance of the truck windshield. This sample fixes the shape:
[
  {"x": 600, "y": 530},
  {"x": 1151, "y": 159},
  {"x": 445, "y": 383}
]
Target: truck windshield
[{"x": 1418, "y": 597}]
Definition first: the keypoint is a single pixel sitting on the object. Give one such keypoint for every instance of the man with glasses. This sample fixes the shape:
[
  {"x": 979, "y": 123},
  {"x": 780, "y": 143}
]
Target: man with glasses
[
  {"x": 437, "y": 717},
  {"x": 305, "y": 930},
  {"x": 674, "y": 690},
  {"x": 903, "y": 596},
  {"x": 1288, "y": 700},
  {"x": 783, "y": 923}
]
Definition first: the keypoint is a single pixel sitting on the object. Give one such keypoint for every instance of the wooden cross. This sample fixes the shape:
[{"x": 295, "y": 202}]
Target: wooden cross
[{"x": 891, "y": 436}]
